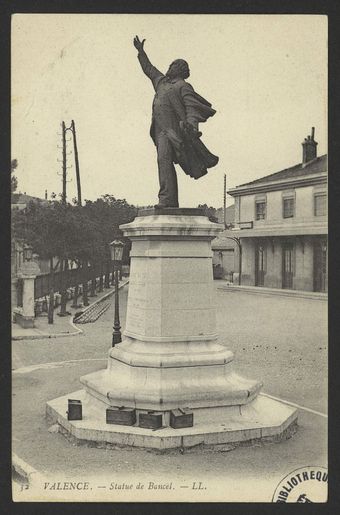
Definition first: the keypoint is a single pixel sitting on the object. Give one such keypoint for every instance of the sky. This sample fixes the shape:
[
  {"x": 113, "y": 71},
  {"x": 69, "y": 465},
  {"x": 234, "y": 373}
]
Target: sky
[{"x": 266, "y": 76}]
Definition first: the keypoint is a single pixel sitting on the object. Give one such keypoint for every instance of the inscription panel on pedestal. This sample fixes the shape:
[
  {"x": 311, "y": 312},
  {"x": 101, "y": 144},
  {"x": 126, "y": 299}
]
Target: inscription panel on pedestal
[
  {"x": 188, "y": 322},
  {"x": 187, "y": 296},
  {"x": 144, "y": 322}
]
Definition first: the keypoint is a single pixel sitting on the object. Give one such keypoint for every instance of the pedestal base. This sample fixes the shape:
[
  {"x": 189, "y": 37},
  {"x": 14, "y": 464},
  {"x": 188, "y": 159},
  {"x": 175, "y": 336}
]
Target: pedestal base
[
  {"x": 260, "y": 420},
  {"x": 24, "y": 321},
  {"x": 165, "y": 376}
]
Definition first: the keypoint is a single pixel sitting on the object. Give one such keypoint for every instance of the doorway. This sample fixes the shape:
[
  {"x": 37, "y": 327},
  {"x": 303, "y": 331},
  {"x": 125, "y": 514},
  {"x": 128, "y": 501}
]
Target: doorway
[
  {"x": 320, "y": 265},
  {"x": 260, "y": 264},
  {"x": 287, "y": 265}
]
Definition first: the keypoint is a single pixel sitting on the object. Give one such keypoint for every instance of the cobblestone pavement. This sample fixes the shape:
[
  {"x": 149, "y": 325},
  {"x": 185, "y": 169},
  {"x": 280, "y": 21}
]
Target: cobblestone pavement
[{"x": 281, "y": 341}]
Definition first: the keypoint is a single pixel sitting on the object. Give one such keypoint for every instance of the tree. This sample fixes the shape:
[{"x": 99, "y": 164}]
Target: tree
[
  {"x": 35, "y": 225},
  {"x": 71, "y": 232},
  {"x": 210, "y": 212},
  {"x": 14, "y": 180},
  {"x": 85, "y": 245},
  {"x": 107, "y": 213}
]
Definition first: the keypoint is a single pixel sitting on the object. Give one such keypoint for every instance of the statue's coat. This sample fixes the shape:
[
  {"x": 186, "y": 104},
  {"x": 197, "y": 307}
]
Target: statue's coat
[{"x": 187, "y": 107}]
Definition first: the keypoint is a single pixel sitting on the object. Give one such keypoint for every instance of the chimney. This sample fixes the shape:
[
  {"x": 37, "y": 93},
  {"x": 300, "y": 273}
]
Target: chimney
[{"x": 309, "y": 148}]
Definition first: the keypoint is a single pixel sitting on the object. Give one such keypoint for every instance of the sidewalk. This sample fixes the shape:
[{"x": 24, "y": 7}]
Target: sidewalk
[
  {"x": 223, "y": 285},
  {"x": 62, "y": 326}
]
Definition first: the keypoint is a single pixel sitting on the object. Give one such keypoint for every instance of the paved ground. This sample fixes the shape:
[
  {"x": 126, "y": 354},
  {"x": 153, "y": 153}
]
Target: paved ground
[{"x": 281, "y": 341}]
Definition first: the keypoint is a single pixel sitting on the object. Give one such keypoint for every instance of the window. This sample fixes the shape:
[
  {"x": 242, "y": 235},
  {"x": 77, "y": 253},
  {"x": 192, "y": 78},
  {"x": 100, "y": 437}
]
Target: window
[
  {"x": 288, "y": 207},
  {"x": 260, "y": 209},
  {"x": 320, "y": 204}
]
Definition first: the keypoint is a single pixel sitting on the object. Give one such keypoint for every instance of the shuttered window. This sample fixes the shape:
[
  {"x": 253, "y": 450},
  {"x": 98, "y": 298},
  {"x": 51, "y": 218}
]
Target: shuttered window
[
  {"x": 288, "y": 207},
  {"x": 320, "y": 204},
  {"x": 260, "y": 209}
]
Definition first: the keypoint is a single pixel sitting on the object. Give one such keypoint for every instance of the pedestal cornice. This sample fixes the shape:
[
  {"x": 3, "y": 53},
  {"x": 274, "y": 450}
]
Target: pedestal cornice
[{"x": 172, "y": 226}]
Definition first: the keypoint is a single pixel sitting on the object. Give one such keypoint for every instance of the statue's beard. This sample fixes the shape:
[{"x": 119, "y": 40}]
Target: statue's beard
[{"x": 171, "y": 73}]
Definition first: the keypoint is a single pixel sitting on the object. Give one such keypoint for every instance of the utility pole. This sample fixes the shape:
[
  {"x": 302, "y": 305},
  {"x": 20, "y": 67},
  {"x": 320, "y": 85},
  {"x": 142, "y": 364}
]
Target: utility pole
[
  {"x": 81, "y": 265},
  {"x": 76, "y": 160},
  {"x": 63, "y": 198},
  {"x": 63, "y": 260},
  {"x": 234, "y": 238},
  {"x": 225, "y": 201}
]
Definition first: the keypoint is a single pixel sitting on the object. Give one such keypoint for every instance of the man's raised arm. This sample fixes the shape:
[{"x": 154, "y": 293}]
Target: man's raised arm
[{"x": 147, "y": 67}]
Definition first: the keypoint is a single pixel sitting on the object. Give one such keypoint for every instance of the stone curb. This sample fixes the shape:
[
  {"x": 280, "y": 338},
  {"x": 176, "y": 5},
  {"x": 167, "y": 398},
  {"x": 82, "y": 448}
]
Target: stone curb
[
  {"x": 52, "y": 335},
  {"x": 24, "y": 470},
  {"x": 77, "y": 329},
  {"x": 275, "y": 291}
]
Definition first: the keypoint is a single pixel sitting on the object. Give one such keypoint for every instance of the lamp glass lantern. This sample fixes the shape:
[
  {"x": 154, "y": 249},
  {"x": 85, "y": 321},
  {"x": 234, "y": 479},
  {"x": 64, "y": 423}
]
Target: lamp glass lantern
[
  {"x": 28, "y": 253},
  {"x": 116, "y": 249}
]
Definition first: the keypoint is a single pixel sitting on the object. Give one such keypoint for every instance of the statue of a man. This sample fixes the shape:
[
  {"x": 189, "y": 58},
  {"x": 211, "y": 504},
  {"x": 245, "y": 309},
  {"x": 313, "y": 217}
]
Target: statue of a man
[{"x": 176, "y": 112}]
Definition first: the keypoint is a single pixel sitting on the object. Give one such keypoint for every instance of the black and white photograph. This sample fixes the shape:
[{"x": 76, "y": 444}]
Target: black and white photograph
[{"x": 169, "y": 258}]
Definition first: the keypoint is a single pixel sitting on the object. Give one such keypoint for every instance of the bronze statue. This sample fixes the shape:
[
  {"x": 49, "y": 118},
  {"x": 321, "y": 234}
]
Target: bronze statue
[{"x": 176, "y": 112}]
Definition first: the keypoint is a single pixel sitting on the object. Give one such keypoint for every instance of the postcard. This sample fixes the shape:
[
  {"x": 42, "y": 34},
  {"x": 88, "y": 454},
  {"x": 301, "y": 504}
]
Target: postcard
[{"x": 169, "y": 258}]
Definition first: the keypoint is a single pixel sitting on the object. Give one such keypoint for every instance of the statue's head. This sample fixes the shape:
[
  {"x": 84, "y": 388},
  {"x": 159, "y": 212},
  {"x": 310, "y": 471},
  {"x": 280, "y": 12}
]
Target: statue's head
[{"x": 178, "y": 69}]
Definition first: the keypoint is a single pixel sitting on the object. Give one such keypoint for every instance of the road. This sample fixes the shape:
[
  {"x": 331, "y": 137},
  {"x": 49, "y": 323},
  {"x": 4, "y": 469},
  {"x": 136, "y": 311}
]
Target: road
[{"x": 281, "y": 341}]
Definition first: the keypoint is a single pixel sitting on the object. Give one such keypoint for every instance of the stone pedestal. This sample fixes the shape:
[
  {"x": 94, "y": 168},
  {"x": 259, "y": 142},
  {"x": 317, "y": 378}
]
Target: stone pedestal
[
  {"x": 170, "y": 356},
  {"x": 24, "y": 315}
]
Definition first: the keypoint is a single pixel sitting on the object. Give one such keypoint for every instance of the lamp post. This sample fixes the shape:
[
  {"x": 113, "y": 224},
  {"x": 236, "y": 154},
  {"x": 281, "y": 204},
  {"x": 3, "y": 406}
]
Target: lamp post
[
  {"x": 116, "y": 248},
  {"x": 28, "y": 253}
]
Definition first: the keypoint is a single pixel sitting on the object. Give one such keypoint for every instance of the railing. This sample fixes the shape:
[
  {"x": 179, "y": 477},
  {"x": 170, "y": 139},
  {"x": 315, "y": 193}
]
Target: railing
[
  {"x": 42, "y": 283},
  {"x": 72, "y": 277}
]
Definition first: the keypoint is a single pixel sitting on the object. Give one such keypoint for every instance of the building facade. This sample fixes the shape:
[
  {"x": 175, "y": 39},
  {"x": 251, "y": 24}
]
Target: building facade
[{"x": 281, "y": 221}]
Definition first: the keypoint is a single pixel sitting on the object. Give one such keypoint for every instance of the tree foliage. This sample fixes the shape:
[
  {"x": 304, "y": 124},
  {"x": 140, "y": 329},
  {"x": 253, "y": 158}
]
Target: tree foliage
[
  {"x": 72, "y": 232},
  {"x": 14, "y": 180},
  {"x": 107, "y": 213},
  {"x": 209, "y": 211}
]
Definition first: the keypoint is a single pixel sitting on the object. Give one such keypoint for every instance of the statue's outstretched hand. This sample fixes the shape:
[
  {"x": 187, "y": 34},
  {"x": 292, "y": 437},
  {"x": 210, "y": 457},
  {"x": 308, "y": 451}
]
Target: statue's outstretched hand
[{"x": 138, "y": 44}]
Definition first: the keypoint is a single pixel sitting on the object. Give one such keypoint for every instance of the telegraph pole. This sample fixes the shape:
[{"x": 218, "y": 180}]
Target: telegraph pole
[
  {"x": 225, "y": 201},
  {"x": 63, "y": 198},
  {"x": 234, "y": 238},
  {"x": 76, "y": 160},
  {"x": 63, "y": 260},
  {"x": 81, "y": 267}
]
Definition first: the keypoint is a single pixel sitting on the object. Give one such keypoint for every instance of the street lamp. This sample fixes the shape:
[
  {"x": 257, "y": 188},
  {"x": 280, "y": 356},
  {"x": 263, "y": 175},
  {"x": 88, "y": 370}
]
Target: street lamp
[
  {"x": 28, "y": 253},
  {"x": 116, "y": 249}
]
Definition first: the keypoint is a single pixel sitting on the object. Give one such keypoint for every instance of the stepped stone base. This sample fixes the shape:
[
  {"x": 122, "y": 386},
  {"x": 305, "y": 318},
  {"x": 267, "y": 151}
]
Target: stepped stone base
[
  {"x": 170, "y": 356},
  {"x": 260, "y": 420},
  {"x": 154, "y": 377}
]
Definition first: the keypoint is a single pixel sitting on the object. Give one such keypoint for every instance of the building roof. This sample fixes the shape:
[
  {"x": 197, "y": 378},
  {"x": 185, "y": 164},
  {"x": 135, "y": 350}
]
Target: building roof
[{"x": 317, "y": 165}]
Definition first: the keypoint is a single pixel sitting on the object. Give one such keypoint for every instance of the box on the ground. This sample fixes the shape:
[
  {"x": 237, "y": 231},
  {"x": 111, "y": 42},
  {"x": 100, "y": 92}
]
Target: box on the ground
[
  {"x": 75, "y": 410},
  {"x": 122, "y": 416},
  {"x": 151, "y": 420},
  {"x": 181, "y": 418}
]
